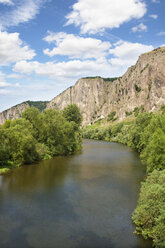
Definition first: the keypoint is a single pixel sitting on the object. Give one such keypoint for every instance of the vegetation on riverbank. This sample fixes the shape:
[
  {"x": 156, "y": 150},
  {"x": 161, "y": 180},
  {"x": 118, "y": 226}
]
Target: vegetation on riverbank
[
  {"x": 146, "y": 134},
  {"x": 37, "y": 136}
]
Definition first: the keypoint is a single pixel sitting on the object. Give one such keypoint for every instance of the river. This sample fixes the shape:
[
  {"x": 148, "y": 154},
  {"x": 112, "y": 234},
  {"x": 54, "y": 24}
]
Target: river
[{"x": 79, "y": 201}]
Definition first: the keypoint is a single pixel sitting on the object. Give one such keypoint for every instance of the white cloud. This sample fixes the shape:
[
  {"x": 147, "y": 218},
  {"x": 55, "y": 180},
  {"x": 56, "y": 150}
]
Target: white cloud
[
  {"x": 139, "y": 28},
  {"x": 4, "y": 84},
  {"x": 4, "y": 92},
  {"x": 94, "y": 15},
  {"x": 71, "y": 69},
  {"x": 155, "y": 1},
  {"x": 161, "y": 33},
  {"x": 23, "y": 11},
  {"x": 14, "y": 75},
  {"x": 153, "y": 16},
  {"x": 126, "y": 53},
  {"x": 12, "y": 48},
  {"x": 8, "y": 2},
  {"x": 7, "y": 88},
  {"x": 76, "y": 46}
]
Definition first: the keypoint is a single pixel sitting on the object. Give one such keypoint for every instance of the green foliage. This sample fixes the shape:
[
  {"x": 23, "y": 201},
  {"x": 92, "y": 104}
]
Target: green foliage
[
  {"x": 149, "y": 215},
  {"x": 38, "y": 136},
  {"x": 137, "y": 88},
  {"x": 163, "y": 108},
  {"x": 111, "y": 79},
  {"x": 136, "y": 111},
  {"x": 97, "y": 133},
  {"x": 105, "y": 79},
  {"x": 139, "y": 110},
  {"x": 128, "y": 113},
  {"x": 72, "y": 113},
  {"x": 111, "y": 116},
  {"x": 40, "y": 105},
  {"x": 144, "y": 68}
]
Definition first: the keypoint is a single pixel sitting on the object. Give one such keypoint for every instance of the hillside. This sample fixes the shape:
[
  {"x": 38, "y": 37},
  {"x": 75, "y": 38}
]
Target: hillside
[
  {"x": 15, "y": 111},
  {"x": 141, "y": 88}
]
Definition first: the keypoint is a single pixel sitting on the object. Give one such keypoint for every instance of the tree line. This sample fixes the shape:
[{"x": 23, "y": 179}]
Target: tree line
[
  {"x": 146, "y": 134},
  {"x": 37, "y": 136}
]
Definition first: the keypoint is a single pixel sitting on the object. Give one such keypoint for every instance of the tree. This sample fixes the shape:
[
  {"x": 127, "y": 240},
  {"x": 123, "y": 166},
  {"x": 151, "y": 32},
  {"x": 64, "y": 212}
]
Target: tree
[
  {"x": 33, "y": 115},
  {"x": 72, "y": 113},
  {"x": 149, "y": 215},
  {"x": 154, "y": 153}
]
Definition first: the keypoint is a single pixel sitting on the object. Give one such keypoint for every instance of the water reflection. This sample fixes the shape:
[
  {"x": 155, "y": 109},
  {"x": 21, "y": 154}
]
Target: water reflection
[{"x": 85, "y": 200}]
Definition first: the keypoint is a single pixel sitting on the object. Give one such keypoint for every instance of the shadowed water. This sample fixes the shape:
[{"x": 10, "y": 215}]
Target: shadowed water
[{"x": 80, "y": 201}]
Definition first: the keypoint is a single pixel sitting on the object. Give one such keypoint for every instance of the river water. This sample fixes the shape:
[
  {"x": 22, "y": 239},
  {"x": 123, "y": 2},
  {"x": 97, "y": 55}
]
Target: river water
[{"x": 80, "y": 201}]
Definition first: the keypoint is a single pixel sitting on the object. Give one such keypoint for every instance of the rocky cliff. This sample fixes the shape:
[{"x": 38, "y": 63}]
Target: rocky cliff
[
  {"x": 16, "y": 111},
  {"x": 142, "y": 87},
  {"x": 13, "y": 113}
]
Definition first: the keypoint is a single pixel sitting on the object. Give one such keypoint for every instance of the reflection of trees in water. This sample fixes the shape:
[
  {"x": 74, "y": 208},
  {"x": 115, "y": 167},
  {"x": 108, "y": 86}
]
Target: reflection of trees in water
[{"x": 45, "y": 175}]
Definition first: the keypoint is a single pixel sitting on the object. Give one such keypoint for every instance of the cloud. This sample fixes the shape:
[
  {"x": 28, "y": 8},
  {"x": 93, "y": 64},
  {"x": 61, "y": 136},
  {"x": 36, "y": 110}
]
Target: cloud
[
  {"x": 153, "y": 16},
  {"x": 126, "y": 53},
  {"x": 12, "y": 49},
  {"x": 21, "y": 11},
  {"x": 6, "y": 88},
  {"x": 139, "y": 28},
  {"x": 155, "y": 1},
  {"x": 14, "y": 75},
  {"x": 161, "y": 33},
  {"x": 7, "y": 2},
  {"x": 94, "y": 15},
  {"x": 75, "y": 46},
  {"x": 65, "y": 70},
  {"x": 4, "y": 84}
]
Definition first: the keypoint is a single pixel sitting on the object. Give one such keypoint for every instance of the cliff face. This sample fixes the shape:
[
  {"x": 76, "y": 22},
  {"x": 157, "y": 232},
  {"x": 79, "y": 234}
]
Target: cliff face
[
  {"x": 13, "y": 113},
  {"x": 142, "y": 86},
  {"x": 16, "y": 111}
]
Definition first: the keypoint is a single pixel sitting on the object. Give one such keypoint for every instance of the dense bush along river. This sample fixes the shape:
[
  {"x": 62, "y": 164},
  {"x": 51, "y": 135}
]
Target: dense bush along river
[{"x": 81, "y": 201}]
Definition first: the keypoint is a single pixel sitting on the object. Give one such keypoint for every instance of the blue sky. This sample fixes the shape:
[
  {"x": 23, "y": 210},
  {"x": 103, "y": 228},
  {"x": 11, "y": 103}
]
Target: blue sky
[{"x": 46, "y": 45}]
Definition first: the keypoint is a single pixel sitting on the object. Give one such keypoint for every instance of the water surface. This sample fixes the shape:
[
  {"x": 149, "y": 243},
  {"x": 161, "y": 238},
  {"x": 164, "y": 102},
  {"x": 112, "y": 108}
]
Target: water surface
[{"x": 80, "y": 201}]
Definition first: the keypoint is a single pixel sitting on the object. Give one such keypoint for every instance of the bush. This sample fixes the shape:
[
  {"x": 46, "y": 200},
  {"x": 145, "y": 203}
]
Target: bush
[
  {"x": 137, "y": 88},
  {"x": 149, "y": 216},
  {"x": 111, "y": 116}
]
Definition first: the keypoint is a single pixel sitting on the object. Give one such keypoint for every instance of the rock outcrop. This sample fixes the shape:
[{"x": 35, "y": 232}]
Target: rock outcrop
[
  {"x": 16, "y": 111},
  {"x": 142, "y": 86},
  {"x": 13, "y": 113}
]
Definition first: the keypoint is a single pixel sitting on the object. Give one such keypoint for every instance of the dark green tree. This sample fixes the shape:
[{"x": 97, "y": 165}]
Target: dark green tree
[{"x": 72, "y": 113}]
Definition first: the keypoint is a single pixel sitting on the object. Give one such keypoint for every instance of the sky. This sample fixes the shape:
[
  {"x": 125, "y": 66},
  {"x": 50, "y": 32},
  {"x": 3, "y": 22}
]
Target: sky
[{"x": 47, "y": 45}]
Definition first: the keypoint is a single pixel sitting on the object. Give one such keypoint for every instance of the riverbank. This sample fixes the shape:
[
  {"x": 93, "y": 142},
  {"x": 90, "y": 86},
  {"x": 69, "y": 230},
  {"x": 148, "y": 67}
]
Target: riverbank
[
  {"x": 146, "y": 134},
  {"x": 38, "y": 136},
  {"x": 4, "y": 170}
]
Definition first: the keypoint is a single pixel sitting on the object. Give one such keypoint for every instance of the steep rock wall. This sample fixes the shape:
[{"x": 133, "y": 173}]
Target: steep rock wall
[
  {"x": 13, "y": 113},
  {"x": 142, "y": 86}
]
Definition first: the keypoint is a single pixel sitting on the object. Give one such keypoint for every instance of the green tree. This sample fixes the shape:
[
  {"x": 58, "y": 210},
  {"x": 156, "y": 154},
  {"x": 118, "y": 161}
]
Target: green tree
[
  {"x": 33, "y": 115},
  {"x": 72, "y": 113},
  {"x": 149, "y": 216},
  {"x": 154, "y": 153}
]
